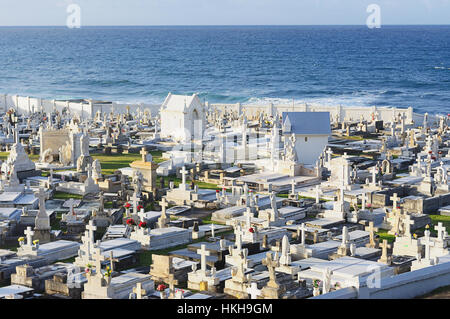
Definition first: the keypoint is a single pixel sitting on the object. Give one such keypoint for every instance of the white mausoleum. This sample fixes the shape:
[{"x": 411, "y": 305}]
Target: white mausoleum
[
  {"x": 182, "y": 117},
  {"x": 311, "y": 130}
]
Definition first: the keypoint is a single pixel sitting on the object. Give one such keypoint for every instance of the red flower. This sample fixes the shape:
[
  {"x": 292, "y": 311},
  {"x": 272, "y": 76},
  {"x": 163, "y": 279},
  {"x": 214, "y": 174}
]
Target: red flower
[
  {"x": 430, "y": 152},
  {"x": 143, "y": 224},
  {"x": 251, "y": 230},
  {"x": 161, "y": 287},
  {"x": 217, "y": 191},
  {"x": 127, "y": 205},
  {"x": 140, "y": 207},
  {"x": 130, "y": 221},
  {"x": 433, "y": 157}
]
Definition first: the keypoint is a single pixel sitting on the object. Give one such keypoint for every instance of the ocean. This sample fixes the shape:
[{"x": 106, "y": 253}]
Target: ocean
[{"x": 398, "y": 66}]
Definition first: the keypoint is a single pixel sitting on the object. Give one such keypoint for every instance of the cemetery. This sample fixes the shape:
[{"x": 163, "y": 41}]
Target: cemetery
[{"x": 194, "y": 200}]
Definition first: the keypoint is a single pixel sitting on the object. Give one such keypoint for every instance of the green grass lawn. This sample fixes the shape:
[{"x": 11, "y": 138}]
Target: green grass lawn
[
  {"x": 62, "y": 195},
  {"x": 111, "y": 163}
]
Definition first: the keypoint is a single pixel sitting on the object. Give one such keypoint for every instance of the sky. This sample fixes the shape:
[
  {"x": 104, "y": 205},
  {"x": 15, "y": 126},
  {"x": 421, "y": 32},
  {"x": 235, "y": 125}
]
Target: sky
[{"x": 222, "y": 12}]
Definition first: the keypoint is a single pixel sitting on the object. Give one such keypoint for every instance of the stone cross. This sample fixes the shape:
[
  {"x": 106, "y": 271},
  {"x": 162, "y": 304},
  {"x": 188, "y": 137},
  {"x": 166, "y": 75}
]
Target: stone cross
[
  {"x": 29, "y": 233},
  {"x": 394, "y": 200},
  {"x": 163, "y": 203},
  {"x": 271, "y": 264},
  {"x": 441, "y": 231},
  {"x": 142, "y": 214},
  {"x": 112, "y": 260},
  {"x": 428, "y": 244},
  {"x": 183, "y": 175},
  {"x": 253, "y": 291},
  {"x": 91, "y": 228},
  {"x": 71, "y": 211},
  {"x": 144, "y": 154},
  {"x": 98, "y": 258},
  {"x": 135, "y": 200},
  {"x": 318, "y": 192},
  {"x": 374, "y": 175},
  {"x": 238, "y": 233},
  {"x": 407, "y": 222},
  {"x": 139, "y": 291},
  {"x": 384, "y": 249},
  {"x": 203, "y": 253},
  {"x": 172, "y": 282},
  {"x": 363, "y": 201},
  {"x": 303, "y": 229},
  {"x": 372, "y": 231}
]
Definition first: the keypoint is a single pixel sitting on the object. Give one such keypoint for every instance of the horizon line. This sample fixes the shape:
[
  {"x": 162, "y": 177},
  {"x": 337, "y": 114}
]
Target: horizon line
[{"x": 214, "y": 25}]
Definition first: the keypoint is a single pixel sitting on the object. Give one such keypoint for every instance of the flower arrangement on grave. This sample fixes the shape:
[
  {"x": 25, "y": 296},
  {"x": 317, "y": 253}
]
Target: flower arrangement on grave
[
  {"x": 251, "y": 230},
  {"x": 415, "y": 236},
  {"x": 316, "y": 283},
  {"x": 127, "y": 205},
  {"x": 36, "y": 242},
  {"x": 21, "y": 240},
  {"x": 130, "y": 222},
  {"x": 107, "y": 273},
  {"x": 161, "y": 287},
  {"x": 88, "y": 269},
  {"x": 337, "y": 286},
  {"x": 139, "y": 207},
  {"x": 142, "y": 225},
  {"x": 427, "y": 226}
]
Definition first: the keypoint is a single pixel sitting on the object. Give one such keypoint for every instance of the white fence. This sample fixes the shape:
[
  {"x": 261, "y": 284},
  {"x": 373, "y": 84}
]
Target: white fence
[
  {"x": 26, "y": 105},
  {"x": 87, "y": 109}
]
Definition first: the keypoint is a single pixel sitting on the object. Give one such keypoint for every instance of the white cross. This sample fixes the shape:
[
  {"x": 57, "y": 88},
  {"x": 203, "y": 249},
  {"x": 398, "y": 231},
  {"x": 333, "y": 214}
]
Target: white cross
[
  {"x": 394, "y": 200},
  {"x": 238, "y": 233},
  {"x": 203, "y": 253},
  {"x": 98, "y": 258},
  {"x": 363, "y": 201},
  {"x": 183, "y": 175},
  {"x": 408, "y": 222},
  {"x": 318, "y": 192},
  {"x": 163, "y": 203},
  {"x": 329, "y": 153},
  {"x": 135, "y": 200},
  {"x": 142, "y": 214},
  {"x": 144, "y": 153},
  {"x": 441, "y": 231},
  {"x": 302, "y": 228},
  {"x": 253, "y": 291},
  {"x": 374, "y": 175},
  {"x": 91, "y": 228},
  {"x": 29, "y": 233},
  {"x": 427, "y": 243}
]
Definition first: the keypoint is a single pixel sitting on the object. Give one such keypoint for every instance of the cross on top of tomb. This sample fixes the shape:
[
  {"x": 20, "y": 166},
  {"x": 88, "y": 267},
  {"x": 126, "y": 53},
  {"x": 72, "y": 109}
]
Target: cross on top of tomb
[
  {"x": 144, "y": 154},
  {"x": 139, "y": 291},
  {"x": 29, "y": 233},
  {"x": 203, "y": 253},
  {"x": 91, "y": 228},
  {"x": 183, "y": 175}
]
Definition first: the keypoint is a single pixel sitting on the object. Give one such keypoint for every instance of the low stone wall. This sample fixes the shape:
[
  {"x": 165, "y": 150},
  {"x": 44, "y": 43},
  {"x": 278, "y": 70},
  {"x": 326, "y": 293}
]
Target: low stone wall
[{"x": 404, "y": 286}]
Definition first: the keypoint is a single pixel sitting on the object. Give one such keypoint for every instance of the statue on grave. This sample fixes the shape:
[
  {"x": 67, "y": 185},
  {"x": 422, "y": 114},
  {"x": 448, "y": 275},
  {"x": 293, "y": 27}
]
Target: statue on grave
[
  {"x": 65, "y": 154},
  {"x": 46, "y": 156},
  {"x": 137, "y": 181}
]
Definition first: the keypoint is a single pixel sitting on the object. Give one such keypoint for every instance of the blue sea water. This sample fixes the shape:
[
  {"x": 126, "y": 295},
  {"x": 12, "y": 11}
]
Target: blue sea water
[{"x": 350, "y": 65}]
